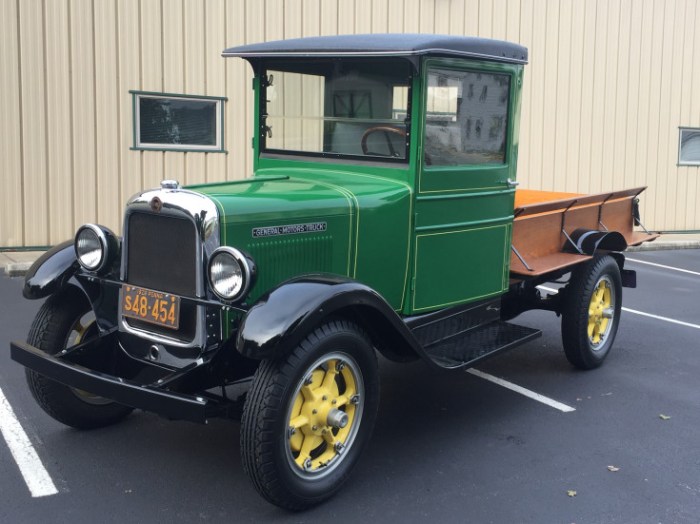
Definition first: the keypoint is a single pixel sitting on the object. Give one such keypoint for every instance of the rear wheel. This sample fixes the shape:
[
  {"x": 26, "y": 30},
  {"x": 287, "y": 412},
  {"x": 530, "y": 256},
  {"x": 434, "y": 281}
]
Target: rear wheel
[
  {"x": 309, "y": 415},
  {"x": 591, "y": 312},
  {"x": 63, "y": 321}
]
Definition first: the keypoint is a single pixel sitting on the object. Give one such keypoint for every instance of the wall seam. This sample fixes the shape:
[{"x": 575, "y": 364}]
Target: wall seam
[
  {"x": 117, "y": 43},
  {"x": 667, "y": 213},
  {"x": 205, "y": 176},
  {"x": 204, "y": 47},
  {"x": 45, "y": 117},
  {"x": 639, "y": 91},
  {"x": 162, "y": 80},
  {"x": 580, "y": 107},
  {"x": 627, "y": 113},
  {"x": 593, "y": 78},
  {"x": 71, "y": 122},
  {"x": 142, "y": 163},
  {"x": 94, "y": 116},
  {"x": 183, "y": 32},
  {"x": 616, "y": 85},
  {"x": 657, "y": 211},
  {"x": 543, "y": 151},
  {"x": 21, "y": 119},
  {"x": 226, "y": 110},
  {"x": 688, "y": 197},
  {"x": 557, "y": 98},
  {"x": 684, "y": 219}
]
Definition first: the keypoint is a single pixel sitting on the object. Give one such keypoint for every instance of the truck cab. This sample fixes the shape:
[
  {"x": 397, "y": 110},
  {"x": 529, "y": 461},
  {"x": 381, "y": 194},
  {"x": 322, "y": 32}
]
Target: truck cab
[{"x": 426, "y": 127}]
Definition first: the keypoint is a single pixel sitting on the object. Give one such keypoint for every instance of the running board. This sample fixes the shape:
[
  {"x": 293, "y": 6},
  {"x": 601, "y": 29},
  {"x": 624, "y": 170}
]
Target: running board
[{"x": 468, "y": 348}]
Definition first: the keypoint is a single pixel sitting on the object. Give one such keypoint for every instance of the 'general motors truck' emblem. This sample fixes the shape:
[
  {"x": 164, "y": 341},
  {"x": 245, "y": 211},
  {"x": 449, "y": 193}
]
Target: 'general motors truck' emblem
[{"x": 292, "y": 229}]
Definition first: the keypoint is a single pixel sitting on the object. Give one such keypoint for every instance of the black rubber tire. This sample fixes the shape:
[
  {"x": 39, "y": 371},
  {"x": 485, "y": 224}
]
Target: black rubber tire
[
  {"x": 264, "y": 425},
  {"x": 49, "y": 332},
  {"x": 578, "y": 346}
]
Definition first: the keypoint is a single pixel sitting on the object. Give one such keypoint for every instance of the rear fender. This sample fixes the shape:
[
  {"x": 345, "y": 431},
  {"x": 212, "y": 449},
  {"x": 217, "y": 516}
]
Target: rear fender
[
  {"x": 281, "y": 319},
  {"x": 589, "y": 241}
]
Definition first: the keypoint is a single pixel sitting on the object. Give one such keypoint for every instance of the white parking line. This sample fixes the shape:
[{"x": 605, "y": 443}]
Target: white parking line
[
  {"x": 642, "y": 313},
  {"x": 663, "y": 266},
  {"x": 519, "y": 389},
  {"x": 665, "y": 319},
  {"x": 35, "y": 475}
]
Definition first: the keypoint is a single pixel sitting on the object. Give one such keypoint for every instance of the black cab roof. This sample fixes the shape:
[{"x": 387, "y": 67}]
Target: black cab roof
[{"x": 387, "y": 44}]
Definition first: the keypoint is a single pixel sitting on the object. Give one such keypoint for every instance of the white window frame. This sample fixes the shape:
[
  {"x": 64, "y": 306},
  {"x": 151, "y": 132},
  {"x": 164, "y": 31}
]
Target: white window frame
[
  {"x": 682, "y": 162},
  {"x": 218, "y": 147}
]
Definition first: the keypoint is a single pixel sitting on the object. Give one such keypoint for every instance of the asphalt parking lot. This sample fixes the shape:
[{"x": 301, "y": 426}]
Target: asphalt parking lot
[{"x": 448, "y": 447}]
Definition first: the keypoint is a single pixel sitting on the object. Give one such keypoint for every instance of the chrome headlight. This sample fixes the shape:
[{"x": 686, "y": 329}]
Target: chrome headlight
[
  {"x": 94, "y": 246},
  {"x": 230, "y": 273}
]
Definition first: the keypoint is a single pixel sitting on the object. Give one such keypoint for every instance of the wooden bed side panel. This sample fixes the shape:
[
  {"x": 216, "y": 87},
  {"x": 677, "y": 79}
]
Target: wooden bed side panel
[
  {"x": 617, "y": 216},
  {"x": 539, "y": 239}
]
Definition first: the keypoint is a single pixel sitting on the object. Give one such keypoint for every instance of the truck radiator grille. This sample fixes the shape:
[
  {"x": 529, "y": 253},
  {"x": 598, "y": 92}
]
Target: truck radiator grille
[{"x": 162, "y": 255}]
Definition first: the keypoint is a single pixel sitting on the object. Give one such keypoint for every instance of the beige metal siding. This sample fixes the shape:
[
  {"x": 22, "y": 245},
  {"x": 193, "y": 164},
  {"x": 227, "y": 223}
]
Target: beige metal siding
[
  {"x": 32, "y": 78},
  {"x": 11, "y": 172},
  {"x": 82, "y": 103},
  {"x": 608, "y": 84}
]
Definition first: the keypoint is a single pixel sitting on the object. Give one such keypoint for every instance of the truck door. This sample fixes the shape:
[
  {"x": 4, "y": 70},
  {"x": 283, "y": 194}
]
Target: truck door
[{"x": 466, "y": 183}]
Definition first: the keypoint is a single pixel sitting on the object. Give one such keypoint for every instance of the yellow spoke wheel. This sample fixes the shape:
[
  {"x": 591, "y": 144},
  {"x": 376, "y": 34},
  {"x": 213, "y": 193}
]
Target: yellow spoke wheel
[
  {"x": 309, "y": 414},
  {"x": 325, "y": 414},
  {"x": 591, "y": 311},
  {"x": 600, "y": 312}
]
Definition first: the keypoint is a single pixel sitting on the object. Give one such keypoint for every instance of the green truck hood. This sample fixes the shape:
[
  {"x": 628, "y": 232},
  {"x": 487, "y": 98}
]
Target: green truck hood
[
  {"x": 267, "y": 198},
  {"x": 300, "y": 221}
]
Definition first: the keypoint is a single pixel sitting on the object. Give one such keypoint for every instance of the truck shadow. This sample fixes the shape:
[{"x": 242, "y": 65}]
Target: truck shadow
[{"x": 429, "y": 422}]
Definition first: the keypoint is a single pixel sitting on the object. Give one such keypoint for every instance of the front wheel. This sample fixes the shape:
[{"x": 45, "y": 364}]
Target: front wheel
[
  {"x": 309, "y": 415},
  {"x": 591, "y": 312}
]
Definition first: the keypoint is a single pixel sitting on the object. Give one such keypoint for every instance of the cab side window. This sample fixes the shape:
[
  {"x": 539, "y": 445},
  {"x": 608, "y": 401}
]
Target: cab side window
[{"x": 466, "y": 119}]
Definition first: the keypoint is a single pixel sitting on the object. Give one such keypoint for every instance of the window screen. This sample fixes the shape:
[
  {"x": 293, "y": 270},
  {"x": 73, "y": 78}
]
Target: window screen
[
  {"x": 466, "y": 118},
  {"x": 177, "y": 122}
]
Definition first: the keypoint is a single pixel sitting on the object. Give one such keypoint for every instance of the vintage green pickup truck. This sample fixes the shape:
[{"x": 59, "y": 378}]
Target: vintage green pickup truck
[{"x": 382, "y": 216}]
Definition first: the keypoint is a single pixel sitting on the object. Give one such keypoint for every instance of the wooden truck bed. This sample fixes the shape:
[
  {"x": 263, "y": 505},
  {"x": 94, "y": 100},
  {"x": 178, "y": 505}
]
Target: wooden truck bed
[{"x": 540, "y": 245}]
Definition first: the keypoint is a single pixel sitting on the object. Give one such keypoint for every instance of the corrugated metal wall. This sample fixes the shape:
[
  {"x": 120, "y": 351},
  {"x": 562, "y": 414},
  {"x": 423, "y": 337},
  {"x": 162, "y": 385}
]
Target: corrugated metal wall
[{"x": 608, "y": 84}]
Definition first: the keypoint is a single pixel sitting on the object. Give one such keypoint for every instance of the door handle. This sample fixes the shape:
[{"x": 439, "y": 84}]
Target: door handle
[{"x": 512, "y": 183}]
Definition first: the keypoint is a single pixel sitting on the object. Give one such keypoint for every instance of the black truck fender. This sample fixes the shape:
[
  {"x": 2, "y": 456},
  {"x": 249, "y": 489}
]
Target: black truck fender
[
  {"x": 590, "y": 241},
  {"x": 58, "y": 269},
  {"x": 281, "y": 318},
  {"x": 51, "y": 271}
]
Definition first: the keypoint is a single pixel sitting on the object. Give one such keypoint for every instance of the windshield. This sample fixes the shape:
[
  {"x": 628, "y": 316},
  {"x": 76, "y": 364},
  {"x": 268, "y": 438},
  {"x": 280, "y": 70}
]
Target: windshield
[{"x": 337, "y": 108}]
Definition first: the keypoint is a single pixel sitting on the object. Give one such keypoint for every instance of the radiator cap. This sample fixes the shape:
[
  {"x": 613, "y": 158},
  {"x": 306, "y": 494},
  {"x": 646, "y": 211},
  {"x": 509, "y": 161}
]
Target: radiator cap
[{"x": 170, "y": 184}]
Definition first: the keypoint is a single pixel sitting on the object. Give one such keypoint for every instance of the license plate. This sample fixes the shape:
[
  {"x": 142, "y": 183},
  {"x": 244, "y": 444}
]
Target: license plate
[{"x": 151, "y": 306}]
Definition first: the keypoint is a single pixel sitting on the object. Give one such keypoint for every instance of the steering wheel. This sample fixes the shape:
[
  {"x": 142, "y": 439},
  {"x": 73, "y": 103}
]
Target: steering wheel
[{"x": 387, "y": 130}]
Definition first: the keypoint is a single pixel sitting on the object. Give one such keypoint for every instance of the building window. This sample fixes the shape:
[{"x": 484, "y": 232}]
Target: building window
[
  {"x": 689, "y": 147},
  {"x": 166, "y": 122}
]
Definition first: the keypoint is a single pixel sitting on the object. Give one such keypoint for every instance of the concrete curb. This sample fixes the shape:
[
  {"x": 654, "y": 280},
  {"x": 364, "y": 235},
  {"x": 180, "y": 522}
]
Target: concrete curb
[
  {"x": 17, "y": 263},
  {"x": 17, "y": 269},
  {"x": 663, "y": 246}
]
